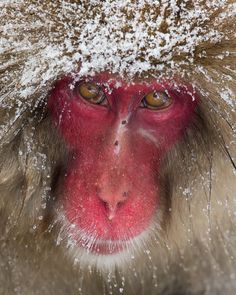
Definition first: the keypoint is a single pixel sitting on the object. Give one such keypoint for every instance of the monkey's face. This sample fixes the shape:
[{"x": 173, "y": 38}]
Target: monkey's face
[{"x": 117, "y": 134}]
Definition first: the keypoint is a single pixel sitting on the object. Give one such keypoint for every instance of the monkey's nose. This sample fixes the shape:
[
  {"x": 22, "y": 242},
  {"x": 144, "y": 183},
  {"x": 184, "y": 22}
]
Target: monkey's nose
[
  {"x": 113, "y": 204},
  {"x": 111, "y": 210}
]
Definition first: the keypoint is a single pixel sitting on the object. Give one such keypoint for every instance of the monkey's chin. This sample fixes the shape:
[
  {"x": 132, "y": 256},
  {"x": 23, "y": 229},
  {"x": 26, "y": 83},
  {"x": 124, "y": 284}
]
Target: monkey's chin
[
  {"x": 104, "y": 247},
  {"x": 106, "y": 255},
  {"x": 92, "y": 244},
  {"x": 86, "y": 249}
]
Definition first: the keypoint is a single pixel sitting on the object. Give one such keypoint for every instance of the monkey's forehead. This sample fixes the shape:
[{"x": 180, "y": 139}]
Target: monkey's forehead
[
  {"x": 127, "y": 37},
  {"x": 133, "y": 37},
  {"x": 46, "y": 39}
]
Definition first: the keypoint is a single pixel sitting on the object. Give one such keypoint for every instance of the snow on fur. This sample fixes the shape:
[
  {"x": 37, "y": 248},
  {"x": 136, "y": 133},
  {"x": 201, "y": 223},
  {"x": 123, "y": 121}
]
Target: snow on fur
[{"x": 41, "y": 41}]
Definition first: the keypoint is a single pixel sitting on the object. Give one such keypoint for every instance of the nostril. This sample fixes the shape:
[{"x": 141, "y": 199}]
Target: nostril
[
  {"x": 112, "y": 206},
  {"x": 105, "y": 204},
  {"x": 112, "y": 202},
  {"x": 119, "y": 204},
  {"x": 125, "y": 194}
]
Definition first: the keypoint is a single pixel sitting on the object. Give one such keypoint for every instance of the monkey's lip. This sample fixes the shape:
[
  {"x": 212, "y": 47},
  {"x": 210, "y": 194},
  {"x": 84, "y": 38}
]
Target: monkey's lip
[
  {"x": 103, "y": 247},
  {"x": 106, "y": 246}
]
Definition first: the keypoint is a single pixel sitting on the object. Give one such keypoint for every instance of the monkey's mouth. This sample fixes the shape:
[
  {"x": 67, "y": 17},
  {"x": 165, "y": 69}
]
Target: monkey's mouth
[
  {"x": 103, "y": 247},
  {"x": 81, "y": 239},
  {"x": 92, "y": 244}
]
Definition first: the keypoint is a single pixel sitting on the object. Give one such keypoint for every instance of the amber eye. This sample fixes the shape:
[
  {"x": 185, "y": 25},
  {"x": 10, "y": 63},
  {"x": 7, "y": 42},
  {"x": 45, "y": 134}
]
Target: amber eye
[
  {"x": 91, "y": 92},
  {"x": 157, "y": 100}
]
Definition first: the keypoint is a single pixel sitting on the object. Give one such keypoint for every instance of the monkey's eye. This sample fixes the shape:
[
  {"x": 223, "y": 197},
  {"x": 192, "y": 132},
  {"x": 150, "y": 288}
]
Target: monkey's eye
[
  {"x": 91, "y": 92},
  {"x": 157, "y": 100}
]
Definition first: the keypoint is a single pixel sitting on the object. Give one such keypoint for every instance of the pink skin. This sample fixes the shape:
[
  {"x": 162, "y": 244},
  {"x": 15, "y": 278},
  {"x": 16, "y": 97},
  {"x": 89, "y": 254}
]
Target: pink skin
[{"x": 111, "y": 190}]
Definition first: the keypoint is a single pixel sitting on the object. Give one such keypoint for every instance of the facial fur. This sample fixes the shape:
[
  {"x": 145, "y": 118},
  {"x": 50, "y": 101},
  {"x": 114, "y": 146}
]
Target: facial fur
[{"x": 90, "y": 204}]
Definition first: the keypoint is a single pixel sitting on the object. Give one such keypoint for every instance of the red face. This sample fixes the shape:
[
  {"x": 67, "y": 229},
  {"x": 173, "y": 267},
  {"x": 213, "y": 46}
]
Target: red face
[{"x": 117, "y": 133}]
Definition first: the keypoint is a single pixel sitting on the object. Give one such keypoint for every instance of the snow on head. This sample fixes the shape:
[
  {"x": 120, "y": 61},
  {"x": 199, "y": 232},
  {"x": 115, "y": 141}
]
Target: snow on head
[{"x": 41, "y": 41}]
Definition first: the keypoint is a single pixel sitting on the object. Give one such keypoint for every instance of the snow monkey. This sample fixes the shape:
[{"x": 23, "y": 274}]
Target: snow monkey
[{"x": 117, "y": 127}]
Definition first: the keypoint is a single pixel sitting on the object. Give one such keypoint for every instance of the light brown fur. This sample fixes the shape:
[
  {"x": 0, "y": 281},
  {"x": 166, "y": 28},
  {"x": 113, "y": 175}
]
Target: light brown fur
[{"x": 194, "y": 251}]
